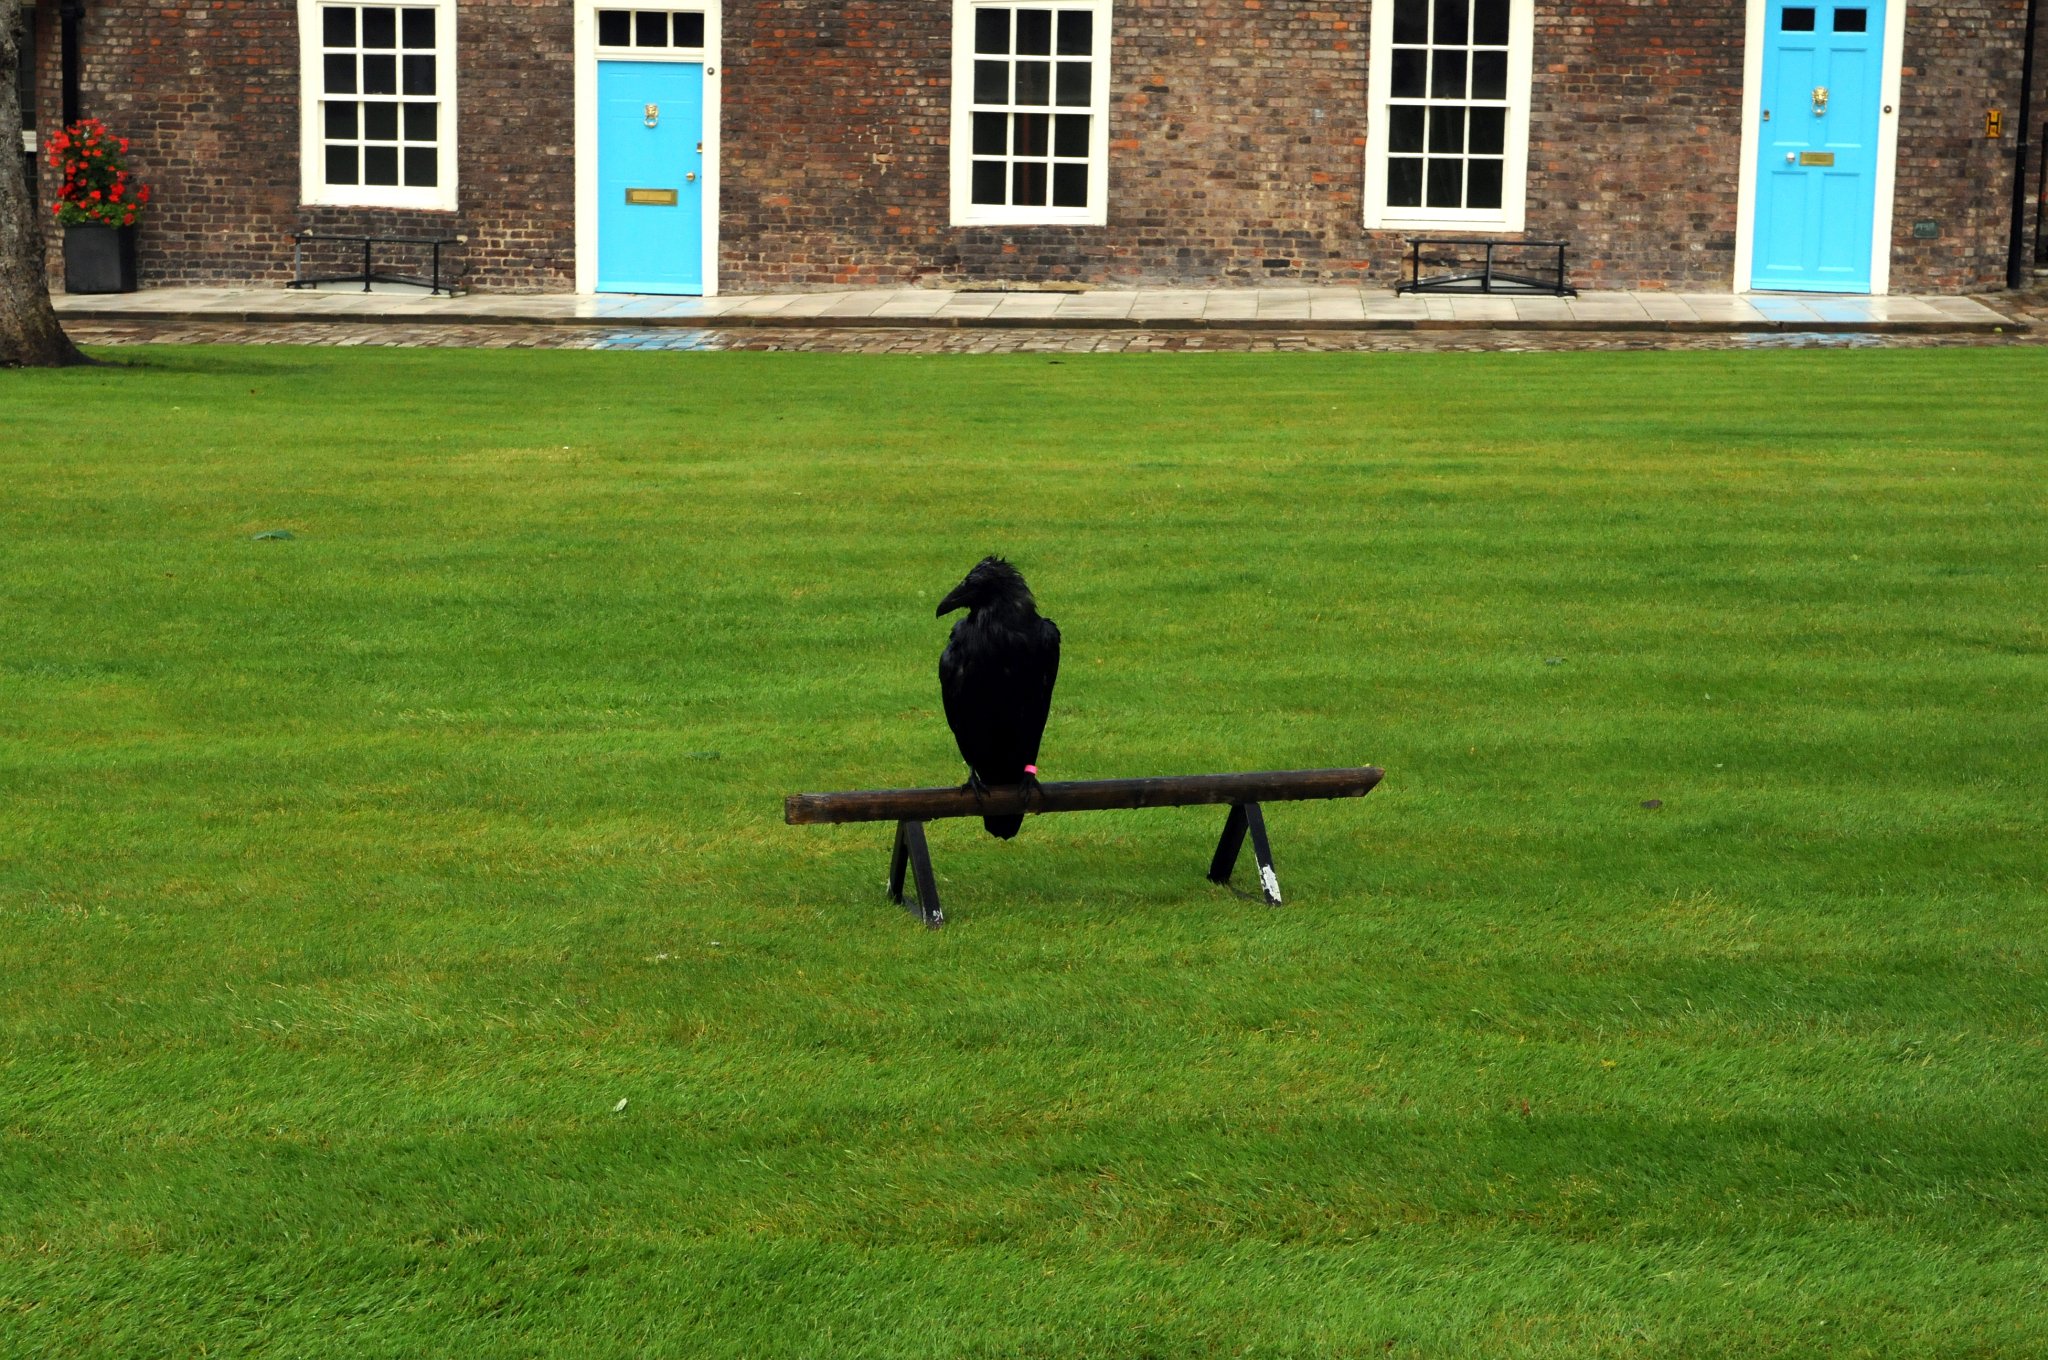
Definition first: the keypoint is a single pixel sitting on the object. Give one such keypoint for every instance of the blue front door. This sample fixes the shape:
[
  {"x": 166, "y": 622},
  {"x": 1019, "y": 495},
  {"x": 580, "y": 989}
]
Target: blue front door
[
  {"x": 650, "y": 177},
  {"x": 1816, "y": 184}
]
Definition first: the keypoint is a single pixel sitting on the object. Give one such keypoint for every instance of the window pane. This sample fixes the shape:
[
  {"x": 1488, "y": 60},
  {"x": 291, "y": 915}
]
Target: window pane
[
  {"x": 1070, "y": 186},
  {"x": 1799, "y": 20},
  {"x": 1070, "y": 135},
  {"x": 419, "y": 74},
  {"x": 421, "y": 167},
  {"x": 1404, "y": 127},
  {"x": 1451, "y": 16},
  {"x": 1411, "y": 21},
  {"x": 1447, "y": 130},
  {"x": 650, "y": 29},
  {"x": 1851, "y": 20},
  {"x": 1033, "y": 133},
  {"x": 1027, "y": 184},
  {"x": 689, "y": 30},
  {"x": 341, "y": 76},
  {"x": 1482, "y": 184},
  {"x": 340, "y": 119},
  {"x": 338, "y": 26},
  {"x": 1034, "y": 82},
  {"x": 614, "y": 28},
  {"x": 1489, "y": 75},
  {"x": 1489, "y": 132},
  {"x": 1404, "y": 182},
  {"x": 989, "y": 179},
  {"x": 380, "y": 27},
  {"x": 380, "y": 165},
  {"x": 992, "y": 33},
  {"x": 341, "y": 165},
  {"x": 1445, "y": 183},
  {"x": 1409, "y": 73},
  {"x": 1074, "y": 84},
  {"x": 991, "y": 82},
  {"x": 380, "y": 75},
  {"x": 1034, "y": 31},
  {"x": 380, "y": 121},
  {"x": 991, "y": 134},
  {"x": 418, "y": 26},
  {"x": 421, "y": 122},
  {"x": 1077, "y": 33},
  {"x": 1490, "y": 22},
  {"x": 1447, "y": 75}
]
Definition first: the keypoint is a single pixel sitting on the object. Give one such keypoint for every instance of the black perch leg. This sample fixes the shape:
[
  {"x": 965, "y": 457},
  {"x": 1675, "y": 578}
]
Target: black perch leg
[
  {"x": 1246, "y": 817},
  {"x": 1227, "y": 848},
  {"x": 910, "y": 853},
  {"x": 1269, "y": 882}
]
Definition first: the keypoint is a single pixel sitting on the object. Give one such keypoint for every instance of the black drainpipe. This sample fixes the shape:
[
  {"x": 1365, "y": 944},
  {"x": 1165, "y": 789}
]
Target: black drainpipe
[
  {"x": 72, "y": 13},
  {"x": 2015, "y": 262}
]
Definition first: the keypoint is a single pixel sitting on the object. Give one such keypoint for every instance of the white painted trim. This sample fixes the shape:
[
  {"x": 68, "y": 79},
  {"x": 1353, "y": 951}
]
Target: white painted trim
[
  {"x": 314, "y": 191},
  {"x": 585, "y": 95},
  {"x": 1887, "y": 148},
  {"x": 1886, "y": 187},
  {"x": 1514, "y": 190},
  {"x": 967, "y": 213}
]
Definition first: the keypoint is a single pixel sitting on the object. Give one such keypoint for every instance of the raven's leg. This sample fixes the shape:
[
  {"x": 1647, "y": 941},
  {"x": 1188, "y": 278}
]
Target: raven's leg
[
  {"x": 974, "y": 784},
  {"x": 1032, "y": 791}
]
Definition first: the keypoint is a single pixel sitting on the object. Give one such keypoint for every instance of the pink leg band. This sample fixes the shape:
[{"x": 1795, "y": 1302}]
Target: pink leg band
[{"x": 1031, "y": 769}]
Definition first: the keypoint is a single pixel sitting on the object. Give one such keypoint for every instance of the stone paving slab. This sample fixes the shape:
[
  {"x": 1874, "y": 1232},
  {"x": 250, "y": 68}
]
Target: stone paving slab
[{"x": 1246, "y": 309}]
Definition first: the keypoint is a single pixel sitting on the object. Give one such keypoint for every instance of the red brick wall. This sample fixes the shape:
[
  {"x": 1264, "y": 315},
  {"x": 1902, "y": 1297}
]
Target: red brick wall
[
  {"x": 1237, "y": 143},
  {"x": 1961, "y": 59}
]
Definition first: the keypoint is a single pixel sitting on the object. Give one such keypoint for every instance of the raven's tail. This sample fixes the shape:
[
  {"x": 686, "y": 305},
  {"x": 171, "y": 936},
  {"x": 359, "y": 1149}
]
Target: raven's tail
[{"x": 1003, "y": 827}]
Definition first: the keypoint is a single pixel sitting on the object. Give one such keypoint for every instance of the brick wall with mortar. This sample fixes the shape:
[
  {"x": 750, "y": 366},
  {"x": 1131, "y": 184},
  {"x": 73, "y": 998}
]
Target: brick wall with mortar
[
  {"x": 1236, "y": 155},
  {"x": 208, "y": 95}
]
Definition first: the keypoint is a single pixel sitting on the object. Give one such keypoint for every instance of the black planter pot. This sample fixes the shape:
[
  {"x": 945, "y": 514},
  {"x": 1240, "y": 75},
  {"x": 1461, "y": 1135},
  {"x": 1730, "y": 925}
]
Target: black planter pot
[{"x": 99, "y": 259}]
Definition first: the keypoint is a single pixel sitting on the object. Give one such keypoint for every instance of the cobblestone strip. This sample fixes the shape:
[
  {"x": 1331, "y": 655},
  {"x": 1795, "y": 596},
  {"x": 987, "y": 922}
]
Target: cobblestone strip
[{"x": 844, "y": 340}]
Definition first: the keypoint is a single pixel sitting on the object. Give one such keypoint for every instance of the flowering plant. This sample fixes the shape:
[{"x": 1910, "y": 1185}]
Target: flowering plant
[{"x": 96, "y": 186}]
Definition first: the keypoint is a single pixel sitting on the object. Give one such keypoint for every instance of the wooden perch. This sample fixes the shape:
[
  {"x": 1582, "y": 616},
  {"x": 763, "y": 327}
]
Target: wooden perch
[{"x": 911, "y": 808}]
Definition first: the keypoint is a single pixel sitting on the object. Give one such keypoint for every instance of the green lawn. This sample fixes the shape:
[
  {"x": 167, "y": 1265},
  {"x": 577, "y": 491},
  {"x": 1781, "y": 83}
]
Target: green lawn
[{"x": 349, "y": 883}]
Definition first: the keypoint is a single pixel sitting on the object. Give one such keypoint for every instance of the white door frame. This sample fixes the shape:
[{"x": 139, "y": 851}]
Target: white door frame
[
  {"x": 586, "y": 126},
  {"x": 1887, "y": 145}
]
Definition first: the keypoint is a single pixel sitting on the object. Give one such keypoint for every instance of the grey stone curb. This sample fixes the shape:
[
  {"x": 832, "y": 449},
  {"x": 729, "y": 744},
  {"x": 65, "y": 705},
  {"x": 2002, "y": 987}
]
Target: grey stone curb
[{"x": 1624, "y": 325}]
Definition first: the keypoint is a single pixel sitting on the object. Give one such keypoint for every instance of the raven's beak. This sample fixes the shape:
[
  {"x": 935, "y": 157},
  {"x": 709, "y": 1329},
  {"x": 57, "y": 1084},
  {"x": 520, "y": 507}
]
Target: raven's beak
[{"x": 953, "y": 601}]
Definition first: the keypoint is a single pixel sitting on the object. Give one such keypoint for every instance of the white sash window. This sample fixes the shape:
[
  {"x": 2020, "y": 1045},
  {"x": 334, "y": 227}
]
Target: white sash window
[
  {"x": 1030, "y": 112},
  {"x": 377, "y": 94},
  {"x": 1447, "y": 145}
]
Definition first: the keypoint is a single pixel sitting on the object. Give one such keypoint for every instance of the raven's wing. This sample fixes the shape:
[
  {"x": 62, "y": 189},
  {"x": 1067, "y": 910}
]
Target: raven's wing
[
  {"x": 1046, "y": 672},
  {"x": 964, "y": 690}
]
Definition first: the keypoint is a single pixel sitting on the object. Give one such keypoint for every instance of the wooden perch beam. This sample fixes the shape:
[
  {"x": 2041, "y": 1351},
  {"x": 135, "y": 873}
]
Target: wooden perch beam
[{"x": 1082, "y": 795}]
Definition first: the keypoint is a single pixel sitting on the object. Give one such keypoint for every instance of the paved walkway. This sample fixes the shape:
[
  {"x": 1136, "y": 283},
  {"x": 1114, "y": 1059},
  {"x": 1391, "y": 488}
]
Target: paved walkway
[{"x": 1249, "y": 310}]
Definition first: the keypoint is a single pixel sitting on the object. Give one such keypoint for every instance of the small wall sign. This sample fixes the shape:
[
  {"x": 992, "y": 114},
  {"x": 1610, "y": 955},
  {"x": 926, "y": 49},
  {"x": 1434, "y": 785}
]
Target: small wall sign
[
  {"x": 1994, "y": 122},
  {"x": 1926, "y": 229}
]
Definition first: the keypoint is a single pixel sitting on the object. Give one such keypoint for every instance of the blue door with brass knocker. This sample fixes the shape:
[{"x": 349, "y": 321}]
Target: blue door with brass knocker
[
  {"x": 650, "y": 177},
  {"x": 1816, "y": 183}
]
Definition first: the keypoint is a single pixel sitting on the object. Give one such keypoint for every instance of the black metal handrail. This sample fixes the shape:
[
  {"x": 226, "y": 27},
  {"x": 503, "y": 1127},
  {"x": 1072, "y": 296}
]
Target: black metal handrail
[
  {"x": 368, "y": 274},
  {"x": 1488, "y": 278}
]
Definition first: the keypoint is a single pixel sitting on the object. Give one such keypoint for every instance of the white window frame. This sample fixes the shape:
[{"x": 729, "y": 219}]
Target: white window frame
[
  {"x": 313, "y": 187},
  {"x": 966, "y": 212},
  {"x": 1514, "y": 194}
]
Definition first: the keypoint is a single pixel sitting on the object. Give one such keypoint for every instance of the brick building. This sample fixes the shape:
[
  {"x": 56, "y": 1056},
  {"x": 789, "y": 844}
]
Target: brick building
[{"x": 735, "y": 145}]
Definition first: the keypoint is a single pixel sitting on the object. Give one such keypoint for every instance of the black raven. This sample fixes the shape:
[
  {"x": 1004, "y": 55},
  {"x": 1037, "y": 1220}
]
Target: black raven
[{"x": 996, "y": 676}]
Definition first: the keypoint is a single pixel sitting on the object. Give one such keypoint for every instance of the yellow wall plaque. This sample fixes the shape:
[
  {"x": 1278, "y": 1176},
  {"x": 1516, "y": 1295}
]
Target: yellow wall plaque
[
  {"x": 666, "y": 198},
  {"x": 1816, "y": 158}
]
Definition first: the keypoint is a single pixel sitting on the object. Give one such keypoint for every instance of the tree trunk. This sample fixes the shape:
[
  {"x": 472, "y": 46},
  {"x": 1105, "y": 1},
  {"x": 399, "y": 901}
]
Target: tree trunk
[{"x": 29, "y": 334}]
